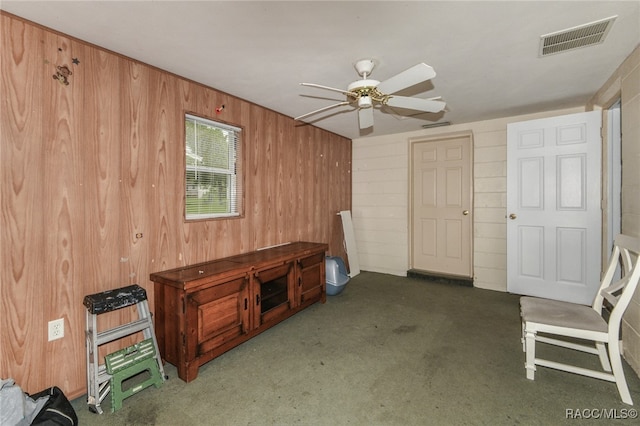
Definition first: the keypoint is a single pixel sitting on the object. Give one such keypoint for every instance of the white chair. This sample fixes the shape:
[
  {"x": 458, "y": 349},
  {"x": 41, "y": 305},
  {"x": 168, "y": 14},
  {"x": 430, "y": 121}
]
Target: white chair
[{"x": 556, "y": 318}]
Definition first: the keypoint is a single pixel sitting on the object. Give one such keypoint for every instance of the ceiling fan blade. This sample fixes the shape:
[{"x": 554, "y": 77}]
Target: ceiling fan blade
[
  {"x": 321, "y": 109},
  {"x": 427, "y": 105},
  {"x": 365, "y": 117},
  {"x": 319, "y": 86},
  {"x": 414, "y": 75}
]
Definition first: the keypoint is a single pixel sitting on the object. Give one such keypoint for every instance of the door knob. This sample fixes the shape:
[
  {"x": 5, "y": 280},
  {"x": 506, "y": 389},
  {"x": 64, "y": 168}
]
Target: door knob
[
  {"x": 465, "y": 212},
  {"x": 512, "y": 216}
]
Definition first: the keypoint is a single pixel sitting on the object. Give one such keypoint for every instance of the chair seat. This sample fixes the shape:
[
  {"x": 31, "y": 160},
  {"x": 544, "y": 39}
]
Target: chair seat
[{"x": 561, "y": 314}]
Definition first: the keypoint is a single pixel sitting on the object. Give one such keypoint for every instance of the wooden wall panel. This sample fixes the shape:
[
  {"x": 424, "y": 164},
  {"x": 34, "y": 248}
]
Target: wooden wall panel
[
  {"x": 102, "y": 181},
  {"x": 166, "y": 167},
  {"x": 22, "y": 75},
  {"x": 103, "y": 186},
  {"x": 339, "y": 196},
  {"x": 132, "y": 142},
  {"x": 261, "y": 142},
  {"x": 289, "y": 220},
  {"x": 87, "y": 166},
  {"x": 315, "y": 186},
  {"x": 281, "y": 159},
  {"x": 303, "y": 202},
  {"x": 63, "y": 210},
  {"x": 195, "y": 238},
  {"x": 321, "y": 214}
]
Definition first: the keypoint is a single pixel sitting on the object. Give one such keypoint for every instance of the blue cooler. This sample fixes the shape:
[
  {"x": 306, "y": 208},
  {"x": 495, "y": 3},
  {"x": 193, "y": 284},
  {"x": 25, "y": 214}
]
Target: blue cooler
[{"x": 337, "y": 277}]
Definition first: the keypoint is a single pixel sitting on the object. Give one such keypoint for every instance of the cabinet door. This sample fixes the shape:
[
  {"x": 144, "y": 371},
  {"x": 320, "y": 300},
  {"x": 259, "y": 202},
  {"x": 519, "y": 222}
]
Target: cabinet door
[
  {"x": 273, "y": 289},
  {"x": 218, "y": 314},
  {"x": 311, "y": 279}
]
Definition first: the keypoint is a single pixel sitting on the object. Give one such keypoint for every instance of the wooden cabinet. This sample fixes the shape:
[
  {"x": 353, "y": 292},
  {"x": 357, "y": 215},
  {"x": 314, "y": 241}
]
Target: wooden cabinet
[{"x": 203, "y": 310}]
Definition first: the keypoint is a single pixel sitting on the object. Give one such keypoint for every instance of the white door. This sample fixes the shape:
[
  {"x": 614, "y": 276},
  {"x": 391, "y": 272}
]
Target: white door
[
  {"x": 441, "y": 206},
  {"x": 553, "y": 207}
]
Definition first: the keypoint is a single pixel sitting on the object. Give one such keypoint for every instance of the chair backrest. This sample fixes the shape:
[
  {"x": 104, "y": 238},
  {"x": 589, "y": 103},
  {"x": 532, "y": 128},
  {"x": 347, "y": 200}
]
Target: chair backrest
[{"x": 626, "y": 251}]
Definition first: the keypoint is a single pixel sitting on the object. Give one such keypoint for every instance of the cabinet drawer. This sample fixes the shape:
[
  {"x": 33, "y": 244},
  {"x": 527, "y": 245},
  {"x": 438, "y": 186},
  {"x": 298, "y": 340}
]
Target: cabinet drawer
[{"x": 311, "y": 260}]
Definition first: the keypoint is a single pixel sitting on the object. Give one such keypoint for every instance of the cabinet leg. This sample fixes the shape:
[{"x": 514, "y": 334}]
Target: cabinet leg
[{"x": 188, "y": 371}]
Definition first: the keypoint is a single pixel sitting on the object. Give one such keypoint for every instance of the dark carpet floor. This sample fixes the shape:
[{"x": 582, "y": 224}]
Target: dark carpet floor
[{"x": 387, "y": 351}]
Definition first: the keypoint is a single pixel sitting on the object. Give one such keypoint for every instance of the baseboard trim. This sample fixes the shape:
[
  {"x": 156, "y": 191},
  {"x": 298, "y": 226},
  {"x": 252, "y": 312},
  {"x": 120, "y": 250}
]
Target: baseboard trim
[{"x": 441, "y": 278}]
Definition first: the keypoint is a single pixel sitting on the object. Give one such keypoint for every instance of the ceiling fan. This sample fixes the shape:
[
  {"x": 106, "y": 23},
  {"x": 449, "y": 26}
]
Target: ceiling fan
[{"x": 367, "y": 93}]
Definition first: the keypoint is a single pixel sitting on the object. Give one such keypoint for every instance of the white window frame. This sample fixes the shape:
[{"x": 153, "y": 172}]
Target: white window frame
[{"x": 234, "y": 194}]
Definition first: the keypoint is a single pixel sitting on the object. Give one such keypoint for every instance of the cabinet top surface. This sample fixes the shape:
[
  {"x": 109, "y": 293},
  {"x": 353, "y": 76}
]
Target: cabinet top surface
[{"x": 237, "y": 264}]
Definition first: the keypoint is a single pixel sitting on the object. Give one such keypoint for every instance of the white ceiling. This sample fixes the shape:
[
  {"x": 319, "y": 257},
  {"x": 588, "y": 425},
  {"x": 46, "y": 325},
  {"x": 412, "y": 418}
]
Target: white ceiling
[{"x": 485, "y": 53}]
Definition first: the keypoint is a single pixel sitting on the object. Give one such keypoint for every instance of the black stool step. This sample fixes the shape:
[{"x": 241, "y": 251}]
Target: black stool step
[{"x": 111, "y": 300}]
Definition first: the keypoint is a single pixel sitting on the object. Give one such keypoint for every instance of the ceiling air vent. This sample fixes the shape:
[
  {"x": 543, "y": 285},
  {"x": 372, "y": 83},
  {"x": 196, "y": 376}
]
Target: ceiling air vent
[
  {"x": 438, "y": 124},
  {"x": 576, "y": 37}
]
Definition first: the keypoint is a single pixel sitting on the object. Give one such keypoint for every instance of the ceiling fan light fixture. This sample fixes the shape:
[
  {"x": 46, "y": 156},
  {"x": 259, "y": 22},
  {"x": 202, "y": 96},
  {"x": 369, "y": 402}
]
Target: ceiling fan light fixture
[{"x": 365, "y": 102}]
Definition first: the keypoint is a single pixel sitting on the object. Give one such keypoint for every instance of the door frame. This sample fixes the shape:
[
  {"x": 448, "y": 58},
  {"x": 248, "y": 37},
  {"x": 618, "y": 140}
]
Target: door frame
[
  {"x": 611, "y": 177},
  {"x": 441, "y": 138}
]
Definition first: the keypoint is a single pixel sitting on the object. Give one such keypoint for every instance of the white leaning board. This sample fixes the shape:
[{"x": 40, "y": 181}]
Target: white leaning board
[{"x": 350, "y": 241}]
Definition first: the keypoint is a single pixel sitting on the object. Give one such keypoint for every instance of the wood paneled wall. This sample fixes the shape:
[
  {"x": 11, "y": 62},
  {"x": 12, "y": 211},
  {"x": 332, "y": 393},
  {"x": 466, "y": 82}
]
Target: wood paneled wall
[{"x": 87, "y": 166}]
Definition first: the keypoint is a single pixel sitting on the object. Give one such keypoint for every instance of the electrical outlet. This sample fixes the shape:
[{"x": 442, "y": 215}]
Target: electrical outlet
[{"x": 56, "y": 329}]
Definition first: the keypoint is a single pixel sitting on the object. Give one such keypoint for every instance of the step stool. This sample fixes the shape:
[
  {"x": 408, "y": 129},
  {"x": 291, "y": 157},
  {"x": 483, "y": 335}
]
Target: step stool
[
  {"x": 99, "y": 380},
  {"x": 129, "y": 362}
]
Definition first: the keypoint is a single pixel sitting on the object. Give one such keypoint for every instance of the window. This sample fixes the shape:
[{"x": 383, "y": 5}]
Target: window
[{"x": 213, "y": 180}]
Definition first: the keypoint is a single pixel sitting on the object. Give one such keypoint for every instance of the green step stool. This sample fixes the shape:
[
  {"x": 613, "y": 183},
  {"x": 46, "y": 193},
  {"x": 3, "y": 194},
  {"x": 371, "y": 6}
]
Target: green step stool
[{"x": 129, "y": 362}]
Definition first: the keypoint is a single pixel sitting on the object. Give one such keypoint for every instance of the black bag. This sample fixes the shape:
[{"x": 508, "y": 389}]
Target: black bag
[{"x": 57, "y": 411}]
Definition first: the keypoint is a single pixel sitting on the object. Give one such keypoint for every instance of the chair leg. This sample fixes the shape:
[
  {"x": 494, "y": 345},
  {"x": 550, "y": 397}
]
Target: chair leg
[
  {"x": 602, "y": 354},
  {"x": 530, "y": 345},
  {"x": 524, "y": 346},
  {"x": 618, "y": 372}
]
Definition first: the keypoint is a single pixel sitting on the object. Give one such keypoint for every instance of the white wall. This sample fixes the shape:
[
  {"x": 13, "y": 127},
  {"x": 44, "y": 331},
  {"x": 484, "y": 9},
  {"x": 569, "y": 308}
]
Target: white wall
[
  {"x": 625, "y": 84},
  {"x": 380, "y": 173},
  {"x": 379, "y": 202}
]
